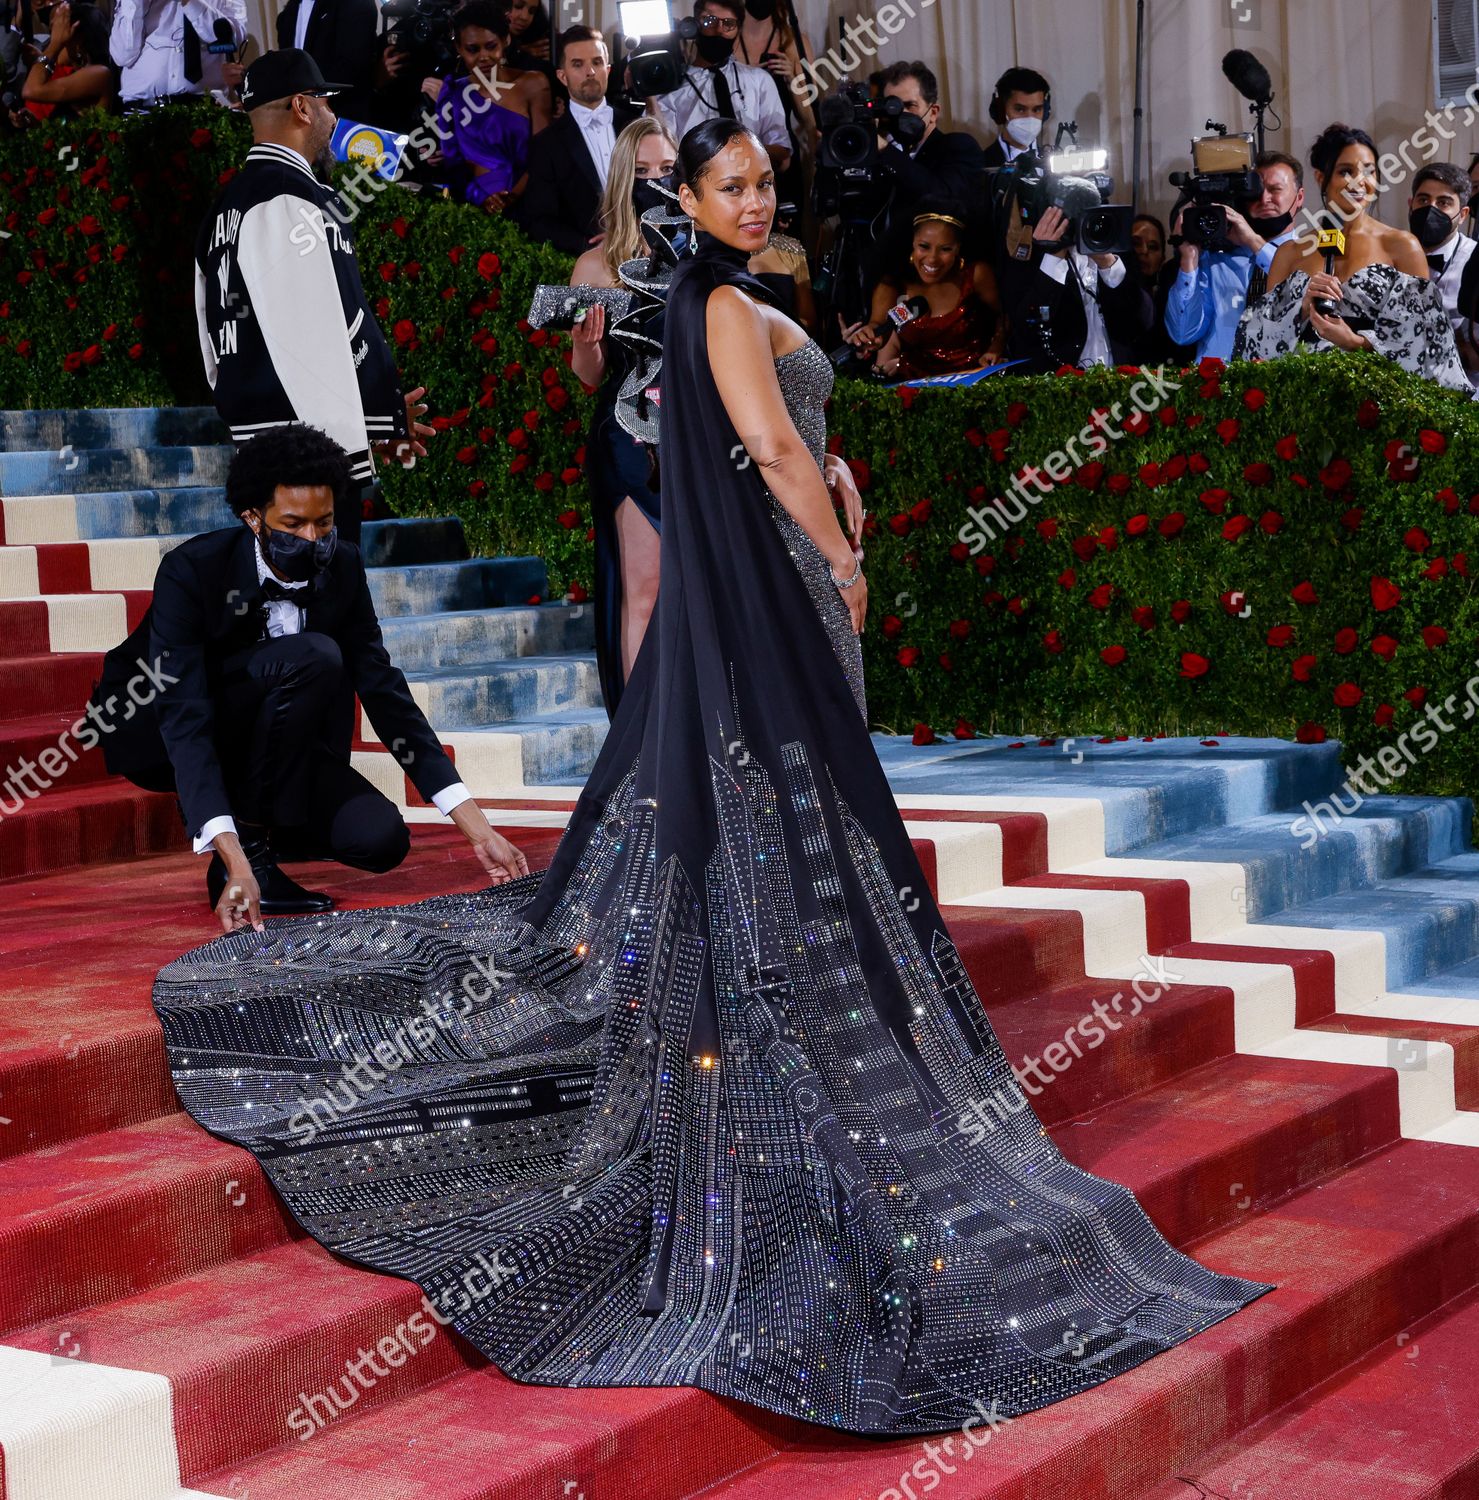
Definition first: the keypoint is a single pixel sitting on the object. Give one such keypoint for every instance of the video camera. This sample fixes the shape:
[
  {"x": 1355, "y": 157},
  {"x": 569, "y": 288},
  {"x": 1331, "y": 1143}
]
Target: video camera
[
  {"x": 654, "y": 47},
  {"x": 1222, "y": 177},
  {"x": 422, "y": 28},
  {"x": 1076, "y": 183},
  {"x": 850, "y": 122}
]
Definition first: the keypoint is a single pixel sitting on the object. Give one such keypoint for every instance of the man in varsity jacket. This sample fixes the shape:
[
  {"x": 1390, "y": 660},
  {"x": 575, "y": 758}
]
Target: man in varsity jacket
[{"x": 286, "y": 331}]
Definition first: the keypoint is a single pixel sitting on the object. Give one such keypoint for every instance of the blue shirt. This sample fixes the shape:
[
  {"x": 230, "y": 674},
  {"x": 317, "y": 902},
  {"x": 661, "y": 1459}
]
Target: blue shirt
[{"x": 1204, "y": 306}]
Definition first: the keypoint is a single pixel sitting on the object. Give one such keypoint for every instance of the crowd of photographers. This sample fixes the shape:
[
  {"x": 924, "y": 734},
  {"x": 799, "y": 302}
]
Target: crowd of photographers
[{"x": 914, "y": 248}]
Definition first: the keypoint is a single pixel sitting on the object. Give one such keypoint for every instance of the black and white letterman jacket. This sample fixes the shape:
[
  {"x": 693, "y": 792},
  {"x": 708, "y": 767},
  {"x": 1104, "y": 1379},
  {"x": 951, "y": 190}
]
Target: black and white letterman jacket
[{"x": 286, "y": 331}]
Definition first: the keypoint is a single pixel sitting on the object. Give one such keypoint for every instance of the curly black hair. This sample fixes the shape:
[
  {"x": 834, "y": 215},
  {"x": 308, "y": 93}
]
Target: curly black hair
[
  {"x": 485, "y": 13},
  {"x": 294, "y": 455},
  {"x": 1333, "y": 140}
]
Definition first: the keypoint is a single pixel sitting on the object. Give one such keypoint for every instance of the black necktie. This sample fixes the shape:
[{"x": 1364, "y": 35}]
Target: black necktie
[
  {"x": 1437, "y": 263},
  {"x": 723, "y": 99},
  {"x": 272, "y": 589},
  {"x": 192, "y": 54}
]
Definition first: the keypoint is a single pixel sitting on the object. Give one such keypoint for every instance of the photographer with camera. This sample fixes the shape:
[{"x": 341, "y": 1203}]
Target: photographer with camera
[
  {"x": 1066, "y": 306},
  {"x": 343, "y": 38},
  {"x": 1021, "y": 105},
  {"x": 716, "y": 87},
  {"x": 167, "y": 49},
  {"x": 1225, "y": 255}
]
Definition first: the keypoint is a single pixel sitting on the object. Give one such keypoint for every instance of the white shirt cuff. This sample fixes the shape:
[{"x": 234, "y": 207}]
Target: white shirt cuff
[
  {"x": 1112, "y": 275},
  {"x": 450, "y": 797},
  {"x": 205, "y": 839},
  {"x": 1056, "y": 267}
]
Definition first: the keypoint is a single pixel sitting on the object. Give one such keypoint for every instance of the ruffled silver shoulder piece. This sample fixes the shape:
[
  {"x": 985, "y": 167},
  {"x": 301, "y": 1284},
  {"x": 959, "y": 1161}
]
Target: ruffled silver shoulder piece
[{"x": 634, "y": 312}]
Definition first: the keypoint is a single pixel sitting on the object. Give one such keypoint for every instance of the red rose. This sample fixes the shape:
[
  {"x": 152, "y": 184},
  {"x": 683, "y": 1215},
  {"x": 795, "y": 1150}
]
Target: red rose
[
  {"x": 72, "y": 362},
  {"x": 1448, "y": 499},
  {"x": 1280, "y": 635},
  {"x": 1228, "y": 429},
  {"x": 1436, "y": 569},
  {"x": 1112, "y": 656},
  {"x": 1234, "y": 527},
  {"x": 1351, "y": 519},
  {"x": 923, "y": 734},
  {"x": 985, "y": 564},
  {"x": 135, "y": 351},
  {"x": 1137, "y": 525},
  {"x": 1304, "y": 593},
  {"x": 1150, "y": 475},
  {"x": 1416, "y": 695},
  {"x": 1067, "y": 578},
  {"x": 959, "y": 629},
  {"x": 959, "y": 552},
  {"x": 1403, "y": 465},
  {"x": 404, "y": 331},
  {"x": 1119, "y": 484},
  {"x": 1384, "y": 715},
  {"x": 1171, "y": 525},
  {"x": 1173, "y": 468},
  {"x": 1193, "y": 665},
  {"x": 489, "y": 265},
  {"x": 1258, "y": 474},
  {"x": 1144, "y": 616},
  {"x": 1084, "y": 547},
  {"x": 47, "y": 215},
  {"x": 569, "y": 519},
  {"x": 1047, "y": 529},
  {"x": 1347, "y": 695},
  {"x": 1346, "y": 641},
  {"x": 1368, "y": 414},
  {"x": 545, "y": 482},
  {"x": 92, "y": 354},
  {"x": 1016, "y": 412},
  {"x": 1416, "y": 540},
  {"x": 1198, "y": 463},
  {"x": 1302, "y": 668},
  {"x": 466, "y": 455},
  {"x": 964, "y": 729},
  {"x": 1214, "y": 501},
  {"x": 1310, "y": 734},
  {"x": 893, "y": 627},
  {"x": 1434, "y": 636},
  {"x": 1101, "y": 596},
  {"x": 1254, "y": 399},
  {"x": 919, "y": 512},
  {"x": 899, "y": 524},
  {"x": 1433, "y": 442},
  {"x": 1090, "y": 476},
  {"x": 569, "y": 476},
  {"x": 1336, "y": 474},
  {"x": 387, "y": 271},
  {"x": 1233, "y": 601},
  {"x": 908, "y": 656},
  {"x": 200, "y": 137},
  {"x": 89, "y": 225},
  {"x": 1385, "y": 594},
  {"x": 1384, "y": 646},
  {"x": 1181, "y": 611},
  {"x": 1271, "y": 522},
  {"x": 1137, "y": 425},
  {"x": 1287, "y": 448},
  {"x": 1210, "y": 367}
]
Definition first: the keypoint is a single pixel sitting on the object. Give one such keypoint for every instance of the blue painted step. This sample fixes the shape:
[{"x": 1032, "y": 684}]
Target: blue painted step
[
  {"x": 416, "y": 539},
  {"x": 91, "y": 469},
  {"x": 112, "y": 427},
  {"x": 492, "y": 693},
  {"x": 479, "y": 583},
  {"x": 427, "y": 643}
]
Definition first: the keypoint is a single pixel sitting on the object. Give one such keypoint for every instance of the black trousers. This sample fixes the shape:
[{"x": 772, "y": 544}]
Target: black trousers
[{"x": 280, "y": 709}]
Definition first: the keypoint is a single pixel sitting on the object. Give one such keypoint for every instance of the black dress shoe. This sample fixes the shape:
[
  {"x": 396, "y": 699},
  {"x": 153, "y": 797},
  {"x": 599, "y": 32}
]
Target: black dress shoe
[{"x": 282, "y": 896}]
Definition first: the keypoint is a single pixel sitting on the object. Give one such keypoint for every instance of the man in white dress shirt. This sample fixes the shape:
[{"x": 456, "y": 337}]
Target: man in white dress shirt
[
  {"x": 717, "y": 87},
  {"x": 162, "y": 46},
  {"x": 1439, "y": 213}
]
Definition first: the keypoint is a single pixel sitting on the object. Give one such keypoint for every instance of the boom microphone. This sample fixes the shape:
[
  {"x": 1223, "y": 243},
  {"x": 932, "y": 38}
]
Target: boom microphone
[
  {"x": 898, "y": 315},
  {"x": 1248, "y": 76}
]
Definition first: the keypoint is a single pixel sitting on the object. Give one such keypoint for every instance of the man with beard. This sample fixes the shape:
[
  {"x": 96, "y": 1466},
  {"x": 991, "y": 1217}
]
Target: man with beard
[
  {"x": 1207, "y": 299},
  {"x": 1439, "y": 214},
  {"x": 286, "y": 332},
  {"x": 717, "y": 87}
]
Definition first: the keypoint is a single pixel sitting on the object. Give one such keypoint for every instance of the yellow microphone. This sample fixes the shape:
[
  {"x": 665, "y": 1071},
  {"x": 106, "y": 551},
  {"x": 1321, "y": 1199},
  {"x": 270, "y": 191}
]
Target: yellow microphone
[{"x": 1330, "y": 244}]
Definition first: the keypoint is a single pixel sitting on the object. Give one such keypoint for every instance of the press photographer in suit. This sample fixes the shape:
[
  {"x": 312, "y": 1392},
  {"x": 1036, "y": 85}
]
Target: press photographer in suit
[
  {"x": 255, "y": 633},
  {"x": 569, "y": 159},
  {"x": 343, "y": 38}
]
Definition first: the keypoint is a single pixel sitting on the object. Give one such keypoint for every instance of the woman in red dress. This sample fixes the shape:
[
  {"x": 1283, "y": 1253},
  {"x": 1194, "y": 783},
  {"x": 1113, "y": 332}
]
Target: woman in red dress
[{"x": 964, "y": 330}]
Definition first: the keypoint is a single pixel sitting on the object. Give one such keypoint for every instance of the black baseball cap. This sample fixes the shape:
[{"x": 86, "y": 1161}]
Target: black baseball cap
[{"x": 281, "y": 74}]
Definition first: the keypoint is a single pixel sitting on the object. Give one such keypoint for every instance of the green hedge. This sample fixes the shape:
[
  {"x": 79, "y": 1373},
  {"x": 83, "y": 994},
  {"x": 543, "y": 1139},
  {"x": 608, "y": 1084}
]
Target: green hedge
[{"x": 1283, "y": 549}]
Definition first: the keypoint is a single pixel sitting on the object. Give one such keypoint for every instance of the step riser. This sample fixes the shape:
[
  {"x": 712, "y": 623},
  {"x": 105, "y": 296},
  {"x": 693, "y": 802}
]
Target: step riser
[
  {"x": 481, "y": 583},
  {"x": 455, "y": 702},
  {"x": 432, "y": 643},
  {"x": 91, "y": 469},
  {"x": 115, "y": 427}
]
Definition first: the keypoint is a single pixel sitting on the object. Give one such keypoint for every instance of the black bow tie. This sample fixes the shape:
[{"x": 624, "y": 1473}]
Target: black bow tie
[
  {"x": 272, "y": 589},
  {"x": 1437, "y": 263}
]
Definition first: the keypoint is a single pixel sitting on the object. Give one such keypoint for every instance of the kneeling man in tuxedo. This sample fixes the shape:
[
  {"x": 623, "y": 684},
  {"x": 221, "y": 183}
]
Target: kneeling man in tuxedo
[{"x": 256, "y": 632}]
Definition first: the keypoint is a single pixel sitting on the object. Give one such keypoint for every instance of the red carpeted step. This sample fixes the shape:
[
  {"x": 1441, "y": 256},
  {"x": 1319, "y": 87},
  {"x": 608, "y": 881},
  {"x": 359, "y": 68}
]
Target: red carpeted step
[
  {"x": 36, "y": 684},
  {"x": 1381, "y": 1430},
  {"x": 1167, "y": 902},
  {"x": 1024, "y": 837},
  {"x": 24, "y": 739},
  {"x": 1463, "y": 1039},
  {"x": 87, "y": 824},
  {"x": 64, "y": 567},
  {"x": 112, "y": 1214},
  {"x": 25, "y": 628},
  {"x": 481, "y": 1436},
  {"x": 1354, "y": 1262},
  {"x": 1313, "y": 971}
]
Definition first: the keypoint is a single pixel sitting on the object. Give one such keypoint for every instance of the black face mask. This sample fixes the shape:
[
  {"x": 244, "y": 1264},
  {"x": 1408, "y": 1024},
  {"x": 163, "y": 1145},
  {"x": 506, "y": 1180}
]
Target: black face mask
[
  {"x": 1431, "y": 226},
  {"x": 646, "y": 193},
  {"x": 715, "y": 49},
  {"x": 297, "y": 558},
  {"x": 1270, "y": 229},
  {"x": 762, "y": 10}
]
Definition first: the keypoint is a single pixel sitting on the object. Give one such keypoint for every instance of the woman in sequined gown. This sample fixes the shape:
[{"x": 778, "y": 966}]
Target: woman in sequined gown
[{"x": 713, "y": 1102}]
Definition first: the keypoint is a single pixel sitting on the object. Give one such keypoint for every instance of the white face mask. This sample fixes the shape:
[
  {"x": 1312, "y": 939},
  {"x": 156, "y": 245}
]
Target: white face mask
[{"x": 1024, "y": 130}]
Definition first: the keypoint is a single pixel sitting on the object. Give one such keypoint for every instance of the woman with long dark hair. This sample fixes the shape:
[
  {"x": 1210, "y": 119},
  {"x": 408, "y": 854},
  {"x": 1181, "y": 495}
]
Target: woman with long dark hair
[
  {"x": 1377, "y": 297},
  {"x": 709, "y": 1102}
]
